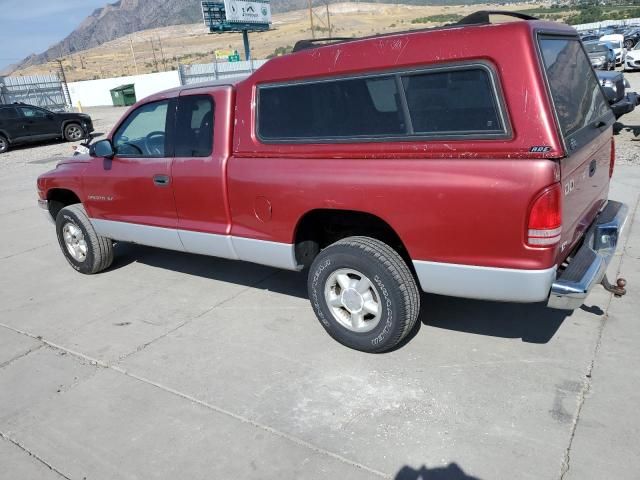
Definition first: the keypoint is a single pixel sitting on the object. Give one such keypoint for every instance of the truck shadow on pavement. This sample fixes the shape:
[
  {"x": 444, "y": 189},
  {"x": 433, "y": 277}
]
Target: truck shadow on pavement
[
  {"x": 450, "y": 472},
  {"x": 533, "y": 323}
]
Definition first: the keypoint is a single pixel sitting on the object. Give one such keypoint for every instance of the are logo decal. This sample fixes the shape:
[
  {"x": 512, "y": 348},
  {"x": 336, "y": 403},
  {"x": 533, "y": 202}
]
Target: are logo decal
[{"x": 540, "y": 149}]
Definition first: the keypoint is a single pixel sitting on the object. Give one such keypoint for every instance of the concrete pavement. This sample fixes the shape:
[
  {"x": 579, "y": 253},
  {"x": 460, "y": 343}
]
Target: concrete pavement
[{"x": 177, "y": 366}]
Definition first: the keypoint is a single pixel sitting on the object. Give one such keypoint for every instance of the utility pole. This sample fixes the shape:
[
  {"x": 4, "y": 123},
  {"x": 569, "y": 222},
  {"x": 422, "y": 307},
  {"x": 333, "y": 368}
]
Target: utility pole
[
  {"x": 133, "y": 55},
  {"x": 328, "y": 18},
  {"x": 155, "y": 60},
  {"x": 164, "y": 62},
  {"x": 313, "y": 35}
]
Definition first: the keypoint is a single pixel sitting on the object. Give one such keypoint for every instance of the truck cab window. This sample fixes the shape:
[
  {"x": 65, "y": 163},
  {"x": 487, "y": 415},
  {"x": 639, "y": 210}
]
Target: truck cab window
[
  {"x": 194, "y": 128},
  {"x": 144, "y": 132}
]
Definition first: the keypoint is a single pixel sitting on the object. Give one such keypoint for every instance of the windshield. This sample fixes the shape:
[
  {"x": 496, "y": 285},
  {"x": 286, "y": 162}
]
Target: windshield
[{"x": 595, "y": 48}]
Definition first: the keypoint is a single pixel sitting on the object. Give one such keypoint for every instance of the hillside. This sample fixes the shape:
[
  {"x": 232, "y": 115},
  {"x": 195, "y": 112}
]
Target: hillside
[
  {"x": 166, "y": 47},
  {"x": 129, "y": 16}
]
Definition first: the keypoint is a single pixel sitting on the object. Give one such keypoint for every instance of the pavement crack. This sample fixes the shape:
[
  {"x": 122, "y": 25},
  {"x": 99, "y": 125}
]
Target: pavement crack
[
  {"x": 220, "y": 410},
  {"x": 25, "y": 251},
  {"x": 140, "y": 348},
  {"x": 587, "y": 382},
  {"x": 34, "y": 455},
  {"x": 23, "y": 354}
]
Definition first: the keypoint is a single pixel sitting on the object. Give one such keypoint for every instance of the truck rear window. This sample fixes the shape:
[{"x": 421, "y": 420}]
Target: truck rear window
[{"x": 577, "y": 97}]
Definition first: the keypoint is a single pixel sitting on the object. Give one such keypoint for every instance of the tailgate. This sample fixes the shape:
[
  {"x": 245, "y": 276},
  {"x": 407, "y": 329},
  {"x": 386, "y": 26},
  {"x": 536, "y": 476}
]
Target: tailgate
[{"x": 585, "y": 122}]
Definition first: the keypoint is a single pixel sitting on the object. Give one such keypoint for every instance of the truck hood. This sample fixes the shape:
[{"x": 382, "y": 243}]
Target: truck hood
[
  {"x": 74, "y": 116},
  {"x": 74, "y": 159}
]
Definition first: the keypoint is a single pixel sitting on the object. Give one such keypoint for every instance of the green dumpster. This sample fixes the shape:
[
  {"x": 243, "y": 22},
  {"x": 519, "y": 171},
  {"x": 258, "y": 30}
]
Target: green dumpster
[{"x": 124, "y": 95}]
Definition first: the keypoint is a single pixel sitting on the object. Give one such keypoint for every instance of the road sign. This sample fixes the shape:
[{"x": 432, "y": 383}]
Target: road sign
[{"x": 234, "y": 58}]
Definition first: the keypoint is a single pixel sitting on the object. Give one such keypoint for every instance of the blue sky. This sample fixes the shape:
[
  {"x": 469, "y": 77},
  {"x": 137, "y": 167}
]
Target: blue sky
[{"x": 32, "y": 26}]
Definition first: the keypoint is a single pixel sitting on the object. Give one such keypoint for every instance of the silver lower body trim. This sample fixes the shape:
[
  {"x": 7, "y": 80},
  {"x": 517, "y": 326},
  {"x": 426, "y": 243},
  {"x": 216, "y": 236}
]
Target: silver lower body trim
[
  {"x": 273, "y": 254},
  {"x": 485, "y": 283}
]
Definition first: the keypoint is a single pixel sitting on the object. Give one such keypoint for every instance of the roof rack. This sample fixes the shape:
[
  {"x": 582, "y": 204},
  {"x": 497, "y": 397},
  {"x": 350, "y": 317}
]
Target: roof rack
[
  {"x": 311, "y": 43},
  {"x": 481, "y": 17}
]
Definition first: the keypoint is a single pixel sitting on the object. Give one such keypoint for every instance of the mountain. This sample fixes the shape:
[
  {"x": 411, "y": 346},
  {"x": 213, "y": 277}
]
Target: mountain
[{"x": 128, "y": 16}]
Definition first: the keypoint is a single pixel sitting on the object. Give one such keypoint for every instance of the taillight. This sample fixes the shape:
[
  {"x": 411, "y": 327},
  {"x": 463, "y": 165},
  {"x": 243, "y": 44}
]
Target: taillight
[
  {"x": 545, "y": 218},
  {"x": 612, "y": 160}
]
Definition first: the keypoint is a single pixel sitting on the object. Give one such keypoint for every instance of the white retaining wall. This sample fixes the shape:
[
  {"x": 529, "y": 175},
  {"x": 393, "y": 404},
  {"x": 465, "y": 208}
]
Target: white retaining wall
[{"x": 93, "y": 93}]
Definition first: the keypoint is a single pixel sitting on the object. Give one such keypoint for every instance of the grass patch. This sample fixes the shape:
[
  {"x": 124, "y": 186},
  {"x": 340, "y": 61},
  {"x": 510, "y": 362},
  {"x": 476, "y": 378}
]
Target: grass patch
[{"x": 442, "y": 18}]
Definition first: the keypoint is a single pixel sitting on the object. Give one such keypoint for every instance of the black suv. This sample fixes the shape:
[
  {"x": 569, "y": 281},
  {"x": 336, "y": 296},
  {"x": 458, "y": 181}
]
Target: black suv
[{"x": 21, "y": 123}]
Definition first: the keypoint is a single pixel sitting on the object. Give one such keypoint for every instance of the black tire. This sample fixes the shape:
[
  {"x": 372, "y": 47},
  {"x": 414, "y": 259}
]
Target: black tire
[
  {"x": 4, "y": 144},
  {"x": 99, "y": 250},
  {"x": 393, "y": 284},
  {"x": 73, "y": 132}
]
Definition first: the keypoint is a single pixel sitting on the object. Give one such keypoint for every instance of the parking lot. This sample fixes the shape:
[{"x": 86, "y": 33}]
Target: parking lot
[{"x": 171, "y": 365}]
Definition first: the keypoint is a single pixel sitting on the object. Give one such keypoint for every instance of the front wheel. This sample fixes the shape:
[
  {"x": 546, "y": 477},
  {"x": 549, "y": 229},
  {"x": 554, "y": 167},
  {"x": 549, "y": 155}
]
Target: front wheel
[
  {"x": 84, "y": 249},
  {"x": 363, "y": 294},
  {"x": 4, "y": 144},
  {"x": 73, "y": 132}
]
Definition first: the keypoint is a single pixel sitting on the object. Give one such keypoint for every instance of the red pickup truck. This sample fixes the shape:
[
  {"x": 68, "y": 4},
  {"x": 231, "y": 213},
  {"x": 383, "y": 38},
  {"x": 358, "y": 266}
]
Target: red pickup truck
[{"x": 471, "y": 160}]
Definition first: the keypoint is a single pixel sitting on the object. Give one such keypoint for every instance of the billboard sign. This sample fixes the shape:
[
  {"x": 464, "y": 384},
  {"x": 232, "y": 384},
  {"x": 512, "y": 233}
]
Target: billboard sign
[{"x": 244, "y": 11}]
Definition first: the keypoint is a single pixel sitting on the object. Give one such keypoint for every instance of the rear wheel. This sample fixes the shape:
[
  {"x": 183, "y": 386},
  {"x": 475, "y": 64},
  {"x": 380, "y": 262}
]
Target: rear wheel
[
  {"x": 363, "y": 294},
  {"x": 73, "y": 132},
  {"x": 4, "y": 144},
  {"x": 85, "y": 250}
]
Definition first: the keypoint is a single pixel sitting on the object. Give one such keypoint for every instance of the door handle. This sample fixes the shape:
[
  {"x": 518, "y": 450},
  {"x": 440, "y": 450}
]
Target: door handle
[
  {"x": 161, "y": 180},
  {"x": 592, "y": 168}
]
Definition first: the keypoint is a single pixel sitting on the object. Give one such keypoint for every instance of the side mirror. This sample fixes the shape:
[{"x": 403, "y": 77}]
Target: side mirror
[{"x": 103, "y": 148}]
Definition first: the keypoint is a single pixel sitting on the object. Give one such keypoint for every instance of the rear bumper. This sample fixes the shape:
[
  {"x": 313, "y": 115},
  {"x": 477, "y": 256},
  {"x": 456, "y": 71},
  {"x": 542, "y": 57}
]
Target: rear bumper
[{"x": 589, "y": 265}]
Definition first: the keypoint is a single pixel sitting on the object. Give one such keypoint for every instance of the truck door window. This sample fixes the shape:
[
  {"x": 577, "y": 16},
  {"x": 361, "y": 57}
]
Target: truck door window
[
  {"x": 144, "y": 132},
  {"x": 577, "y": 97},
  {"x": 454, "y": 101},
  {"x": 194, "y": 127}
]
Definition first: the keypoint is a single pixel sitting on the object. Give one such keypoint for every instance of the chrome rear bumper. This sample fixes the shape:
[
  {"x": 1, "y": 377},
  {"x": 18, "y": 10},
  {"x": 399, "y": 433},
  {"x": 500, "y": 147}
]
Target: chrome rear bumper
[{"x": 589, "y": 265}]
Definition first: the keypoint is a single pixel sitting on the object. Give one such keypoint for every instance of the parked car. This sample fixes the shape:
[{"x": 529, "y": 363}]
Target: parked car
[
  {"x": 601, "y": 55},
  {"x": 21, "y": 123},
  {"x": 615, "y": 88},
  {"x": 378, "y": 166},
  {"x": 617, "y": 42},
  {"x": 590, "y": 37},
  {"x": 631, "y": 38},
  {"x": 632, "y": 59}
]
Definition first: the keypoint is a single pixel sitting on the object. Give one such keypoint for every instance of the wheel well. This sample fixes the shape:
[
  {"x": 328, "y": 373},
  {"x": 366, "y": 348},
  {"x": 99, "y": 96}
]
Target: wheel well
[
  {"x": 318, "y": 229},
  {"x": 59, "y": 198}
]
